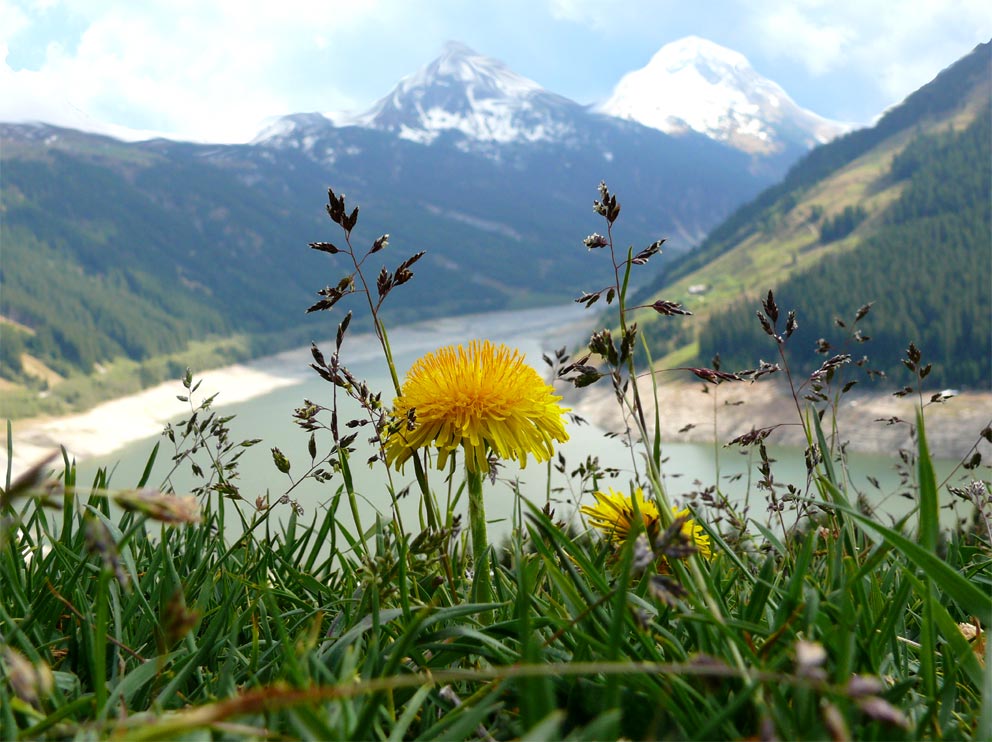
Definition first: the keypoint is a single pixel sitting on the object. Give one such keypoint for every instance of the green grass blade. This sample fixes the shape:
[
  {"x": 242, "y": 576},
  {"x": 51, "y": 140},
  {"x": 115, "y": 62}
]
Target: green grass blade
[
  {"x": 928, "y": 512},
  {"x": 985, "y": 719},
  {"x": 147, "y": 473},
  {"x": 969, "y": 598},
  {"x": 536, "y": 696},
  {"x": 10, "y": 456},
  {"x": 137, "y": 681},
  {"x": 463, "y": 721},
  {"x": 98, "y": 659},
  {"x": 754, "y": 607},
  {"x": 771, "y": 538},
  {"x": 546, "y": 730},
  {"x": 964, "y": 656},
  {"x": 413, "y": 709},
  {"x": 604, "y": 726},
  {"x": 828, "y": 464}
]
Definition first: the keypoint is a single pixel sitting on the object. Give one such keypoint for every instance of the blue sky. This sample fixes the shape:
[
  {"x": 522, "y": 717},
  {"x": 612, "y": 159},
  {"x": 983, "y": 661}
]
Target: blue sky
[{"x": 217, "y": 70}]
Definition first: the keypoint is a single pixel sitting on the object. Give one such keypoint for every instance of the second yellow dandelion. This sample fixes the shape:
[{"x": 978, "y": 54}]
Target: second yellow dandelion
[{"x": 614, "y": 515}]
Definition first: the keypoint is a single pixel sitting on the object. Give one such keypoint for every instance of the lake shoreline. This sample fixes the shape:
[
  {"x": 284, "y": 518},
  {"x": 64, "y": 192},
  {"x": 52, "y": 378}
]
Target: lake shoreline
[
  {"x": 687, "y": 416},
  {"x": 112, "y": 425}
]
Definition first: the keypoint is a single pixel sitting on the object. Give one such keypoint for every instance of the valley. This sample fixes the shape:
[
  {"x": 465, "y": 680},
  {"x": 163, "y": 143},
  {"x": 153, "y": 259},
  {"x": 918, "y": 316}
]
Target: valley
[
  {"x": 482, "y": 168},
  {"x": 124, "y": 262}
]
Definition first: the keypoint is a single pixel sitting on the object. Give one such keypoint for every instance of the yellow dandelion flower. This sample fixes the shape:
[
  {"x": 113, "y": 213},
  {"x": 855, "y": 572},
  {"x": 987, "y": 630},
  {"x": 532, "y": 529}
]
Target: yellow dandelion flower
[
  {"x": 613, "y": 514},
  {"x": 484, "y": 398}
]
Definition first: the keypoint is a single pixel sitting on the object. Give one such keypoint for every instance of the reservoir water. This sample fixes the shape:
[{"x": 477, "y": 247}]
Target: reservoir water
[{"x": 688, "y": 467}]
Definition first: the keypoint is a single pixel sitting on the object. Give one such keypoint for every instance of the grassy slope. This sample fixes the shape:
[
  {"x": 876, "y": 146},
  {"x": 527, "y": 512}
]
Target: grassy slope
[
  {"x": 49, "y": 394},
  {"x": 787, "y": 242},
  {"x": 55, "y": 274}
]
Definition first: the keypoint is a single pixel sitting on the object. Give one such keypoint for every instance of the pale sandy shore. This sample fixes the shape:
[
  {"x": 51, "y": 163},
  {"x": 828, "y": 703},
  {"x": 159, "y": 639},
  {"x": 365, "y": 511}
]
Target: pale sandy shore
[
  {"x": 112, "y": 425},
  {"x": 687, "y": 414}
]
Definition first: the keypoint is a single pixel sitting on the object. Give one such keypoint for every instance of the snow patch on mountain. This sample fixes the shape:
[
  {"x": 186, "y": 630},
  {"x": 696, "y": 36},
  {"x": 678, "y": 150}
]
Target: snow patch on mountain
[
  {"x": 295, "y": 130},
  {"x": 469, "y": 94},
  {"x": 695, "y": 84},
  {"x": 309, "y": 133}
]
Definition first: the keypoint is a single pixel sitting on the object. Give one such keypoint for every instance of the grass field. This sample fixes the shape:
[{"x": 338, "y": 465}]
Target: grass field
[{"x": 126, "y": 614}]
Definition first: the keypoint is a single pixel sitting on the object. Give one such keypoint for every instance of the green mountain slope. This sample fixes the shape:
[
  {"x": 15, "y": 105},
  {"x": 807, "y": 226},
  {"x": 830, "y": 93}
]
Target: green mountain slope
[
  {"x": 897, "y": 215},
  {"x": 125, "y": 258},
  {"x": 122, "y": 252},
  {"x": 216, "y": 235}
]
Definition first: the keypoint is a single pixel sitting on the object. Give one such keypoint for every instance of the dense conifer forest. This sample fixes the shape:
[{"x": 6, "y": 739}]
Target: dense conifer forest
[{"x": 925, "y": 270}]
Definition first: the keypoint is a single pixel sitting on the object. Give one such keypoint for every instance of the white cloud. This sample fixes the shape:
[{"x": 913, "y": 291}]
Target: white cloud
[
  {"x": 789, "y": 32},
  {"x": 623, "y": 17},
  {"x": 580, "y": 11},
  {"x": 824, "y": 36},
  {"x": 931, "y": 37},
  {"x": 877, "y": 50},
  {"x": 215, "y": 71},
  {"x": 203, "y": 71},
  {"x": 13, "y": 20}
]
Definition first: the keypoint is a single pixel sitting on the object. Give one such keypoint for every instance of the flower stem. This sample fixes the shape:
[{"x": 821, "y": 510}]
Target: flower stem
[{"x": 482, "y": 588}]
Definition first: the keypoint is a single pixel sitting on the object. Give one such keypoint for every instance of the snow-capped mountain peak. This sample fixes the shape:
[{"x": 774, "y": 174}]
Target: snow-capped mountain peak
[
  {"x": 696, "y": 84},
  {"x": 459, "y": 62},
  {"x": 471, "y": 94},
  {"x": 690, "y": 49},
  {"x": 299, "y": 126}
]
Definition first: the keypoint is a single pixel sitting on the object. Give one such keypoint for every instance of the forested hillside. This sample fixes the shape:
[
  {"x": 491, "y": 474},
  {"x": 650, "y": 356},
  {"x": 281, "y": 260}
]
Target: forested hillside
[
  {"x": 925, "y": 271},
  {"x": 896, "y": 216},
  {"x": 120, "y": 251}
]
